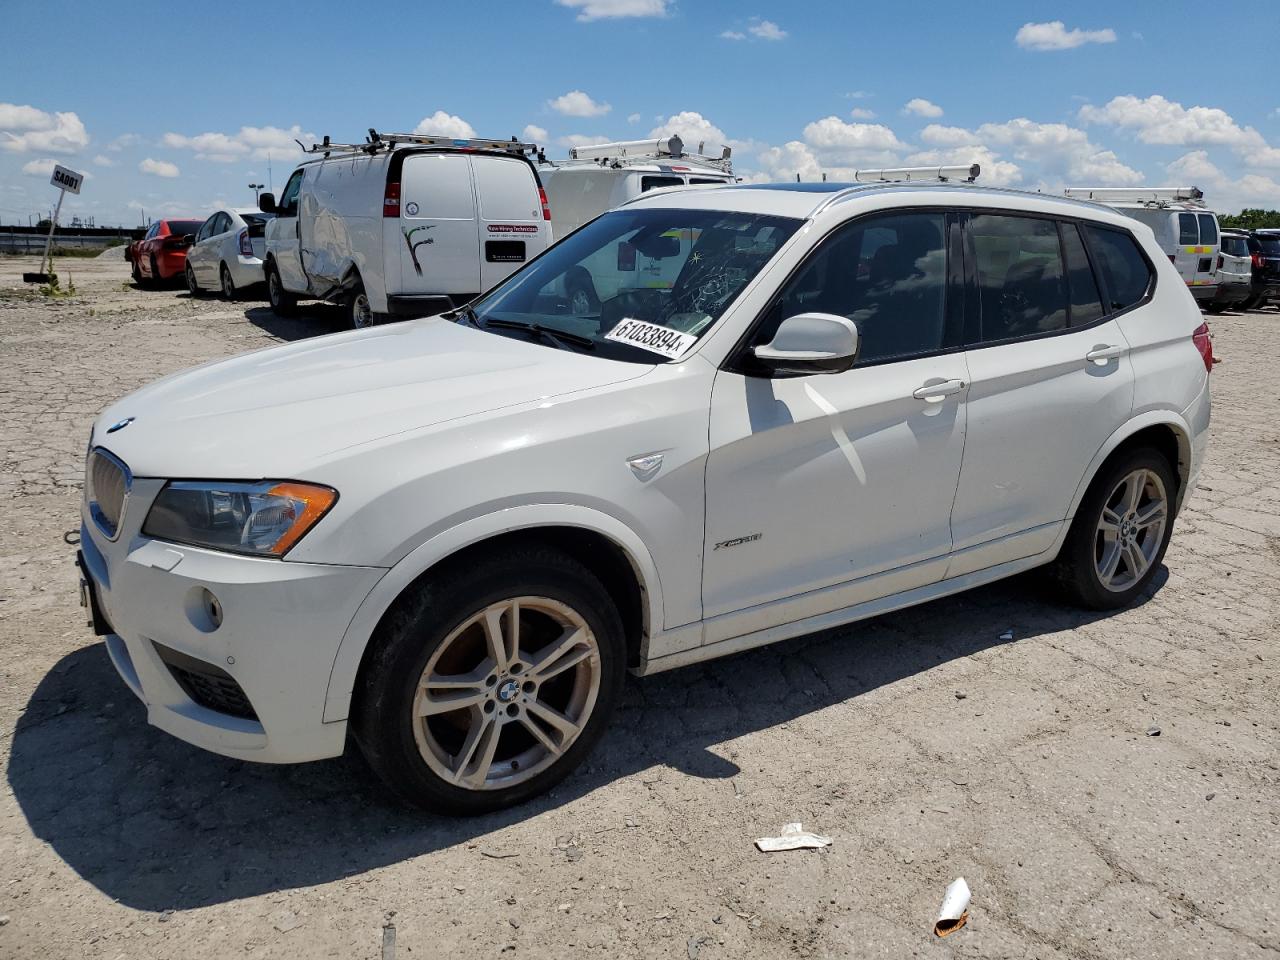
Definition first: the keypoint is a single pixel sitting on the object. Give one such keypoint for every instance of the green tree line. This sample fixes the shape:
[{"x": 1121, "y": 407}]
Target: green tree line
[{"x": 1251, "y": 218}]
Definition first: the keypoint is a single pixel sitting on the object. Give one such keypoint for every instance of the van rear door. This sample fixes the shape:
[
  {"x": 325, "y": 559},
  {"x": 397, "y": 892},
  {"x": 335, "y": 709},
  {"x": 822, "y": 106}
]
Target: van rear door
[
  {"x": 1197, "y": 250},
  {"x": 439, "y": 237},
  {"x": 512, "y": 228}
]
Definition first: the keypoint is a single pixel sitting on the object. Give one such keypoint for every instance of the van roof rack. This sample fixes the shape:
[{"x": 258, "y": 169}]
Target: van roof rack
[
  {"x": 386, "y": 141},
  {"x": 963, "y": 172},
  {"x": 1143, "y": 196},
  {"x": 624, "y": 153}
]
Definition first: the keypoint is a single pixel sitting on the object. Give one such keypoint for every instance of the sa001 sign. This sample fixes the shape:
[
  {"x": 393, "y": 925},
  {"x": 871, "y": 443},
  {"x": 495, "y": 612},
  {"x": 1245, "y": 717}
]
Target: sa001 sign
[{"x": 68, "y": 180}]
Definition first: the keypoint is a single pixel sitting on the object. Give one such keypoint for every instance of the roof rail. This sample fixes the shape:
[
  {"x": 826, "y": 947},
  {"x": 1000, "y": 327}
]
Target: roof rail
[
  {"x": 385, "y": 141},
  {"x": 623, "y": 152},
  {"x": 968, "y": 174},
  {"x": 1147, "y": 196}
]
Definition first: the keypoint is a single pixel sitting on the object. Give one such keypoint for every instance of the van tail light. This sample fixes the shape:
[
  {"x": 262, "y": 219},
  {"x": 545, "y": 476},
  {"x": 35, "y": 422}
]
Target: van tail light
[
  {"x": 1204, "y": 343},
  {"x": 546, "y": 207},
  {"x": 246, "y": 245},
  {"x": 391, "y": 200}
]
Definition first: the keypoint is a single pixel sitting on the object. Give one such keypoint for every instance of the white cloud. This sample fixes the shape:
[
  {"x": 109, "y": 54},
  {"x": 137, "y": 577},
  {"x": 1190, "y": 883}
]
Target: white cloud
[
  {"x": 39, "y": 168},
  {"x": 575, "y": 103},
  {"x": 1054, "y": 35},
  {"x": 535, "y": 134},
  {"x": 1222, "y": 193},
  {"x": 757, "y": 29},
  {"x": 613, "y": 9},
  {"x": 787, "y": 162},
  {"x": 842, "y": 144},
  {"x": 861, "y": 113},
  {"x": 158, "y": 168},
  {"x": 581, "y": 140},
  {"x": 858, "y": 94},
  {"x": 633, "y": 118},
  {"x": 123, "y": 141},
  {"x": 693, "y": 128},
  {"x": 443, "y": 124},
  {"x": 25, "y": 129},
  {"x": 1156, "y": 120},
  {"x": 248, "y": 142},
  {"x": 1061, "y": 154},
  {"x": 102, "y": 160},
  {"x": 921, "y": 107}
]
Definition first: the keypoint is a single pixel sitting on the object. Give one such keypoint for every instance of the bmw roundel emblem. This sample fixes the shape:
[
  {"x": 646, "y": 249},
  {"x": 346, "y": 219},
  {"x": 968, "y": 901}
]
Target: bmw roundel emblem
[{"x": 120, "y": 426}]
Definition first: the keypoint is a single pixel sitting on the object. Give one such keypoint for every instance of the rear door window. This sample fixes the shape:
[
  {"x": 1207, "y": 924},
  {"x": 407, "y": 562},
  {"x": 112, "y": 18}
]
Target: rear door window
[
  {"x": 507, "y": 190},
  {"x": 655, "y": 183},
  {"x": 1208, "y": 228},
  {"x": 1125, "y": 272},
  {"x": 1086, "y": 299},
  {"x": 1188, "y": 230},
  {"x": 1022, "y": 287}
]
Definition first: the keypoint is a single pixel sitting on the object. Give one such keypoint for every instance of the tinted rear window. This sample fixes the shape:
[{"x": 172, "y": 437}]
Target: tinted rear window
[
  {"x": 1124, "y": 270},
  {"x": 1188, "y": 232},
  {"x": 1270, "y": 246},
  {"x": 1208, "y": 228},
  {"x": 654, "y": 183},
  {"x": 182, "y": 227}
]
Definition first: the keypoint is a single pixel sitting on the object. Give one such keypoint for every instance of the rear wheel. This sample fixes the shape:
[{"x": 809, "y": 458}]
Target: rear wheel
[
  {"x": 359, "y": 313},
  {"x": 488, "y": 685},
  {"x": 228, "y": 284},
  {"x": 1121, "y": 531},
  {"x": 282, "y": 301},
  {"x": 1251, "y": 304}
]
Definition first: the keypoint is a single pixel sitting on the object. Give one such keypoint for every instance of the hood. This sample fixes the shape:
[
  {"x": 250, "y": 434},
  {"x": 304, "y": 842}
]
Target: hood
[{"x": 275, "y": 413}]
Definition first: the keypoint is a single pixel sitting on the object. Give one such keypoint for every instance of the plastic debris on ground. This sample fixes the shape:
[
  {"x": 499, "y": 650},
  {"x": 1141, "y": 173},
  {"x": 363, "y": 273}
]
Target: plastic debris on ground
[{"x": 792, "y": 837}]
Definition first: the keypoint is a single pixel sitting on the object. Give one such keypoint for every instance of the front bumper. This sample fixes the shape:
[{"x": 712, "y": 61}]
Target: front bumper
[{"x": 279, "y": 631}]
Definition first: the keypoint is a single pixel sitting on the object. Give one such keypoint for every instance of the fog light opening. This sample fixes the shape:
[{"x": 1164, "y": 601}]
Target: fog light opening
[{"x": 204, "y": 610}]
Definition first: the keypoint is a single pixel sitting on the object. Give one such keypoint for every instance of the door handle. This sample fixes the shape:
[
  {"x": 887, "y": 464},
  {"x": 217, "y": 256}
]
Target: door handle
[
  {"x": 1104, "y": 353},
  {"x": 935, "y": 392}
]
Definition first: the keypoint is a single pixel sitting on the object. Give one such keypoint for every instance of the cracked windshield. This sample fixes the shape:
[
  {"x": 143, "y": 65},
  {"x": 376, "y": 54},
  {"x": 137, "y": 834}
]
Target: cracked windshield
[{"x": 636, "y": 285}]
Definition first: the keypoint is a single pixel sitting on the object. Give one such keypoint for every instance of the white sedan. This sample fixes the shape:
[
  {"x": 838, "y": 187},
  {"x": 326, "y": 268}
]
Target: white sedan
[{"x": 227, "y": 253}]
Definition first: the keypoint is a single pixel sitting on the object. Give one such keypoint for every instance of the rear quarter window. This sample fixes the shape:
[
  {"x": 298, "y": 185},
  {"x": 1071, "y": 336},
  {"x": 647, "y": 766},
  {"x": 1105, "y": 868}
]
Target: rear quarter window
[{"x": 1125, "y": 271}]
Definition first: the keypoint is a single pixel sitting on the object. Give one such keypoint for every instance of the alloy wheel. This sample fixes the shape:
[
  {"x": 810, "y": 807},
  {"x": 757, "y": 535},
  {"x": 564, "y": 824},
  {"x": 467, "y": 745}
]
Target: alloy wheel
[
  {"x": 506, "y": 693},
  {"x": 1130, "y": 530},
  {"x": 192, "y": 287},
  {"x": 228, "y": 285}
]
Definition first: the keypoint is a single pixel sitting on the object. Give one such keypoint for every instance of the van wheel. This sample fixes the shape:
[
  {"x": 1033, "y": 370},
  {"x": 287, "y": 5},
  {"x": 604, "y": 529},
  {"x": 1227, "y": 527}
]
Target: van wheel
[
  {"x": 282, "y": 301},
  {"x": 488, "y": 685},
  {"x": 582, "y": 293},
  {"x": 359, "y": 314},
  {"x": 1120, "y": 533}
]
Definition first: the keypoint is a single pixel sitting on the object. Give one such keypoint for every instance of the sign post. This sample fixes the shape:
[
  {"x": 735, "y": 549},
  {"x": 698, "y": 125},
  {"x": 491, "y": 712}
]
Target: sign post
[{"x": 65, "y": 180}]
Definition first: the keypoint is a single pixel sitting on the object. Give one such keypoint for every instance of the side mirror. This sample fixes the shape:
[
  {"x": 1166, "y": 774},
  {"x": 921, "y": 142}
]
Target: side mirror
[
  {"x": 811, "y": 343},
  {"x": 267, "y": 202}
]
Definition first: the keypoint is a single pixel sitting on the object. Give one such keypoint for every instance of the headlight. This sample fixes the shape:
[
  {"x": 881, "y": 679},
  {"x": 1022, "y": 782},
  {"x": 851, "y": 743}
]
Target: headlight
[{"x": 261, "y": 519}]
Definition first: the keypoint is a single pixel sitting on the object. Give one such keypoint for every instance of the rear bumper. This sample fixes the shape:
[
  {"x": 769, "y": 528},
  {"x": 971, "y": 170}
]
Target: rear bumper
[
  {"x": 281, "y": 625},
  {"x": 171, "y": 263},
  {"x": 1233, "y": 293},
  {"x": 426, "y": 306},
  {"x": 246, "y": 271},
  {"x": 1204, "y": 293}
]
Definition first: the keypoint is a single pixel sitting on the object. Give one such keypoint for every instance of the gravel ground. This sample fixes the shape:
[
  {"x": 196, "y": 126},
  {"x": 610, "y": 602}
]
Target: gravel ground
[{"x": 926, "y": 745}]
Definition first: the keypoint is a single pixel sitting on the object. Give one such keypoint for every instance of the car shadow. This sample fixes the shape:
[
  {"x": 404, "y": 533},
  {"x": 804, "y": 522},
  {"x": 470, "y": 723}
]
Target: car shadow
[
  {"x": 157, "y": 824},
  {"x": 311, "y": 320}
]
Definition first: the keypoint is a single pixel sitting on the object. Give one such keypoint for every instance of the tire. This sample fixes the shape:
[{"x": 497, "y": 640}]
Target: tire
[
  {"x": 1215, "y": 308},
  {"x": 442, "y": 620},
  {"x": 582, "y": 293},
  {"x": 1251, "y": 304},
  {"x": 229, "y": 291},
  {"x": 193, "y": 286},
  {"x": 1089, "y": 551},
  {"x": 282, "y": 301},
  {"x": 156, "y": 279},
  {"x": 137, "y": 274},
  {"x": 356, "y": 310}
]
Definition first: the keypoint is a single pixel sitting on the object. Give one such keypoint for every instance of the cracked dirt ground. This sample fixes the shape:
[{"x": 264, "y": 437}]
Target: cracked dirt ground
[{"x": 925, "y": 745}]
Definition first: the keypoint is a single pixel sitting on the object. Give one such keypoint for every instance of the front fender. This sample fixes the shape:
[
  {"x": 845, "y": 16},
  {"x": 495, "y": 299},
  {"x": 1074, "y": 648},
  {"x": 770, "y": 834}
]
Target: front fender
[{"x": 346, "y": 664}]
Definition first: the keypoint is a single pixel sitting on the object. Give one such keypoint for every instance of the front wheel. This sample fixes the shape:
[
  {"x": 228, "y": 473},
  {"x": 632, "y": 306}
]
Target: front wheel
[
  {"x": 1120, "y": 533},
  {"x": 487, "y": 686},
  {"x": 282, "y": 301}
]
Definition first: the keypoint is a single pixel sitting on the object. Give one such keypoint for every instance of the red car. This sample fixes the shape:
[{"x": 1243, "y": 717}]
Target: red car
[{"x": 162, "y": 252}]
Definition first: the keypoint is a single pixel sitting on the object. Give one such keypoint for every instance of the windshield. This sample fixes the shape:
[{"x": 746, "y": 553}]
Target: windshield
[{"x": 636, "y": 285}]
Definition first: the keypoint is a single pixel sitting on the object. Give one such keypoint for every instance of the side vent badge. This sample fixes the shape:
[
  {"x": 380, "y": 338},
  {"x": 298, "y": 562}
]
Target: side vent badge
[
  {"x": 120, "y": 426},
  {"x": 646, "y": 467}
]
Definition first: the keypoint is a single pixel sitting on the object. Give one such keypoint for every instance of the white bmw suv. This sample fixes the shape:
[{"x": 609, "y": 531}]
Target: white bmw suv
[{"x": 455, "y": 535}]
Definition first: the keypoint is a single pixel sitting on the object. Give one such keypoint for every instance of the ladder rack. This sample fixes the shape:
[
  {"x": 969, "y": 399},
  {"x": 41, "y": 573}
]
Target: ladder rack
[
  {"x": 386, "y": 141},
  {"x": 1144, "y": 196}
]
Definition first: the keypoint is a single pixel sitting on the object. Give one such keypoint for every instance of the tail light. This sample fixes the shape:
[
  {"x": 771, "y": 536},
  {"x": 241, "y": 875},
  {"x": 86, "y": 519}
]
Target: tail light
[
  {"x": 1173, "y": 259},
  {"x": 246, "y": 245},
  {"x": 391, "y": 200},
  {"x": 174, "y": 242},
  {"x": 1220, "y": 261},
  {"x": 546, "y": 207},
  {"x": 1204, "y": 343},
  {"x": 1256, "y": 260}
]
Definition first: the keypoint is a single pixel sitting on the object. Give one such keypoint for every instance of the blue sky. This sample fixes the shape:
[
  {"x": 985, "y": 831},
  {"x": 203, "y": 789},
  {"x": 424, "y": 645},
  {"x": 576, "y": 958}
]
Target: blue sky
[{"x": 171, "y": 111}]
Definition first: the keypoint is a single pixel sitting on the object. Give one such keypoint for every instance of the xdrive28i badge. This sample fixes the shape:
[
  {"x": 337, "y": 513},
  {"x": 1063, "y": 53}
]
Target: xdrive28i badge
[{"x": 120, "y": 425}]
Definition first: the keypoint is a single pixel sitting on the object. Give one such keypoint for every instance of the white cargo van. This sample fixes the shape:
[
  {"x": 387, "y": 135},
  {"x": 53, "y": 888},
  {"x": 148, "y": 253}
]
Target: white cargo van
[
  {"x": 403, "y": 225},
  {"x": 1185, "y": 229}
]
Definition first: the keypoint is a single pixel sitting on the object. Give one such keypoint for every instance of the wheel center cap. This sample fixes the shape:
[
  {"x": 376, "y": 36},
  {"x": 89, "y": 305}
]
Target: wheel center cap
[{"x": 507, "y": 692}]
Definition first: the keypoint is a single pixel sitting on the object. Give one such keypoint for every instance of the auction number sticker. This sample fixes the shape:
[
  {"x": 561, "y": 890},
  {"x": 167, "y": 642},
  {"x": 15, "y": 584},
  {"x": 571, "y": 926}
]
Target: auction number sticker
[{"x": 651, "y": 336}]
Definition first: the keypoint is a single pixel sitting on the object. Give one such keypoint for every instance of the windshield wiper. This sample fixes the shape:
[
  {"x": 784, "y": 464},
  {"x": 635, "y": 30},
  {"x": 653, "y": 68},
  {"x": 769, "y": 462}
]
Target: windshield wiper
[
  {"x": 467, "y": 312},
  {"x": 555, "y": 337}
]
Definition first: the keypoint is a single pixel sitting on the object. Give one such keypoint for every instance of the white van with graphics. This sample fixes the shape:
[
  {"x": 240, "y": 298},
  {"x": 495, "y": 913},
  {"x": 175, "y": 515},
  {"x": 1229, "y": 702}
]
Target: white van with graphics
[
  {"x": 1185, "y": 229},
  {"x": 403, "y": 224}
]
